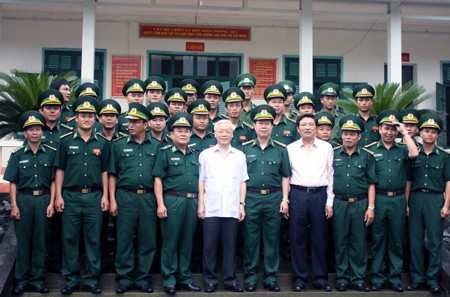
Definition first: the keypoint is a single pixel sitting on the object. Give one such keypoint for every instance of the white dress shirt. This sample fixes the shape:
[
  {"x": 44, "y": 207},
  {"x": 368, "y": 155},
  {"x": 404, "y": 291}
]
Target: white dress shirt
[
  {"x": 312, "y": 167},
  {"x": 223, "y": 175}
]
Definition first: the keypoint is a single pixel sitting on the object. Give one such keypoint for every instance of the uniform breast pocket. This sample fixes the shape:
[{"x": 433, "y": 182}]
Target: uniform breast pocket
[
  {"x": 150, "y": 158},
  {"x": 338, "y": 167},
  {"x": 251, "y": 164},
  {"x": 25, "y": 166},
  {"x": 273, "y": 167},
  {"x": 194, "y": 164},
  {"x": 437, "y": 168},
  {"x": 359, "y": 169},
  {"x": 45, "y": 167},
  {"x": 176, "y": 167}
]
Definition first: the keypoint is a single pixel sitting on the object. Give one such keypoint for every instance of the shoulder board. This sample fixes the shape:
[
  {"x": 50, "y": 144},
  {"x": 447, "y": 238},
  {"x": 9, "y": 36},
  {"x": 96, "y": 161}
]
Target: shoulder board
[
  {"x": 192, "y": 150},
  {"x": 279, "y": 143},
  {"x": 335, "y": 143},
  {"x": 370, "y": 144},
  {"x": 443, "y": 150},
  {"x": 65, "y": 135},
  {"x": 18, "y": 149},
  {"x": 337, "y": 147},
  {"x": 66, "y": 127},
  {"x": 401, "y": 143},
  {"x": 291, "y": 120},
  {"x": 248, "y": 142},
  {"x": 166, "y": 147},
  {"x": 367, "y": 151},
  {"x": 223, "y": 116},
  {"x": 119, "y": 138},
  {"x": 121, "y": 134},
  {"x": 50, "y": 147},
  {"x": 71, "y": 119},
  {"x": 248, "y": 125},
  {"x": 191, "y": 145},
  {"x": 101, "y": 135}
]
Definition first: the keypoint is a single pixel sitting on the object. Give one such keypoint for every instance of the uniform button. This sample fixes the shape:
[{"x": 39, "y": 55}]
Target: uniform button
[
  {"x": 35, "y": 175},
  {"x": 140, "y": 154},
  {"x": 348, "y": 186},
  {"x": 34, "y": 165},
  {"x": 140, "y": 175},
  {"x": 389, "y": 180},
  {"x": 425, "y": 184},
  {"x": 85, "y": 164},
  {"x": 140, "y": 164},
  {"x": 262, "y": 172},
  {"x": 389, "y": 170},
  {"x": 348, "y": 174},
  {"x": 263, "y": 185},
  {"x": 85, "y": 154},
  {"x": 85, "y": 174},
  {"x": 426, "y": 166},
  {"x": 426, "y": 175}
]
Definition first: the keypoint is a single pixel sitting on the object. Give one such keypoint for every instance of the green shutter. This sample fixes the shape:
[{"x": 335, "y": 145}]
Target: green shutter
[{"x": 441, "y": 106}]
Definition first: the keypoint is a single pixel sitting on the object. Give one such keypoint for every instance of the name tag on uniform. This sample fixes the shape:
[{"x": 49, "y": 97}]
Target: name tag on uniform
[
  {"x": 127, "y": 150},
  {"x": 175, "y": 159},
  {"x": 72, "y": 147},
  {"x": 251, "y": 156},
  {"x": 96, "y": 151},
  {"x": 337, "y": 159},
  {"x": 243, "y": 137},
  {"x": 287, "y": 132},
  {"x": 23, "y": 161},
  {"x": 377, "y": 155}
]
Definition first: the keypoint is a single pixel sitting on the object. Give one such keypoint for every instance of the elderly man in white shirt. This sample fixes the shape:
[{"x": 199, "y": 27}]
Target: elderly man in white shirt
[
  {"x": 311, "y": 198},
  {"x": 221, "y": 201}
]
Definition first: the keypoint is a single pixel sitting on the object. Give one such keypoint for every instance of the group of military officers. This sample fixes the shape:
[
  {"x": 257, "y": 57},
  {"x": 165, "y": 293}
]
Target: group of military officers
[{"x": 91, "y": 159}]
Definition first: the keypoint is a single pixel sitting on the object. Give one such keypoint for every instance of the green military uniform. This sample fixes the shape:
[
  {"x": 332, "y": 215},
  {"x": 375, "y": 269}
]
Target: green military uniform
[
  {"x": 352, "y": 176},
  {"x": 32, "y": 174},
  {"x": 131, "y": 86},
  {"x": 290, "y": 88},
  {"x": 66, "y": 114},
  {"x": 388, "y": 225},
  {"x": 82, "y": 163},
  {"x": 246, "y": 114},
  {"x": 179, "y": 173},
  {"x": 429, "y": 175},
  {"x": 331, "y": 89},
  {"x": 197, "y": 143},
  {"x": 370, "y": 133},
  {"x": 131, "y": 162},
  {"x": 265, "y": 167},
  {"x": 246, "y": 80}
]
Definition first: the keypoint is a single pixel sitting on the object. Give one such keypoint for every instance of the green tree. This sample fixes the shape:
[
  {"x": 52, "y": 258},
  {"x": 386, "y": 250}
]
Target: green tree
[
  {"x": 19, "y": 92},
  {"x": 389, "y": 96}
]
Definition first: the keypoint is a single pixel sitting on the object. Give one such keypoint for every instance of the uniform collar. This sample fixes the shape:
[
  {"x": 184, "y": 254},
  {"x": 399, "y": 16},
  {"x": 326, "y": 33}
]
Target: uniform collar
[
  {"x": 176, "y": 149},
  {"x": 91, "y": 137},
  {"x": 381, "y": 144},
  {"x": 435, "y": 151},
  {"x": 371, "y": 116},
  {"x": 344, "y": 151},
  {"x": 147, "y": 138},
  {"x": 28, "y": 148},
  {"x": 256, "y": 142}
]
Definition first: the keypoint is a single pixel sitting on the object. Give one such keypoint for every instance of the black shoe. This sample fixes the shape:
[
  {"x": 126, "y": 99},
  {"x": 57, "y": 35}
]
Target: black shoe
[
  {"x": 122, "y": 288},
  {"x": 341, "y": 287},
  {"x": 145, "y": 288},
  {"x": 68, "y": 289},
  {"x": 170, "y": 290},
  {"x": 299, "y": 287},
  {"x": 397, "y": 287},
  {"x": 210, "y": 288},
  {"x": 190, "y": 287},
  {"x": 234, "y": 288},
  {"x": 325, "y": 287},
  {"x": 415, "y": 287},
  {"x": 18, "y": 290},
  {"x": 93, "y": 289},
  {"x": 361, "y": 287},
  {"x": 250, "y": 287},
  {"x": 435, "y": 289},
  {"x": 274, "y": 287},
  {"x": 40, "y": 288},
  {"x": 377, "y": 287}
]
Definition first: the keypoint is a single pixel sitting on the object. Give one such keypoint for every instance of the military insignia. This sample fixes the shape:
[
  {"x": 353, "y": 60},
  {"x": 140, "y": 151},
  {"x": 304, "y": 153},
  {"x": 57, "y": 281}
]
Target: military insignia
[
  {"x": 213, "y": 88},
  {"x": 154, "y": 83},
  {"x": 330, "y": 90},
  {"x": 246, "y": 80},
  {"x": 136, "y": 85},
  {"x": 364, "y": 91},
  {"x": 304, "y": 98},
  {"x": 109, "y": 106},
  {"x": 52, "y": 97},
  {"x": 182, "y": 120},
  {"x": 392, "y": 117},
  {"x": 89, "y": 89},
  {"x": 176, "y": 95},
  {"x": 410, "y": 116},
  {"x": 276, "y": 91},
  {"x": 287, "y": 132},
  {"x": 375, "y": 128},
  {"x": 133, "y": 110},
  {"x": 243, "y": 137},
  {"x": 286, "y": 87},
  {"x": 324, "y": 118},
  {"x": 31, "y": 118},
  {"x": 96, "y": 151},
  {"x": 189, "y": 86},
  {"x": 430, "y": 121},
  {"x": 201, "y": 107},
  {"x": 86, "y": 104},
  {"x": 263, "y": 112},
  {"x": 349, "y": 123},
  {"x": 157, "y": 109},
  {"x": 233, "y": 94}
]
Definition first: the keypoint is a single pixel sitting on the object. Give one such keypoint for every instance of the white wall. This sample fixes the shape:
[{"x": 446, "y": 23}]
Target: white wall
[{"x": 22, "y": 42}]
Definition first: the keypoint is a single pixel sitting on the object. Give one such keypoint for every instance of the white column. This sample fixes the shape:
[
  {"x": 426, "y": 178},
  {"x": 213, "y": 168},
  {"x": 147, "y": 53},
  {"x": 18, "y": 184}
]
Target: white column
[
  {"x": 306, "y": 46},
  {"x": 88, "y": 43},
  {"x": 0, "y": 24},
  {"x": 394, "y": 42}
]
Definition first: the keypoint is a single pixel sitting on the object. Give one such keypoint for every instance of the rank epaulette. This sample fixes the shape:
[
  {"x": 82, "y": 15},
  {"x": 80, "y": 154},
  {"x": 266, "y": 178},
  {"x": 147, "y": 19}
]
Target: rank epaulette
[
  {"x": 101, "y": 135},
  {"x": 71, "y": 119},
  {"x": 66, "y": 127},
  {"x": 367, "y": 151},
  {"x": 50, "y": 147},
  {"x": 291, "y": 120},
  {"x": 18, "y": 149},
  {"x": 223, "y": 116},
  {"x": 248, "y": 142},
  {"x": 121, "y": 134},
  {"x": 335, "y": 143},
  {"x": 248, "y": 125},
  {"x": 443, "y": 150},
  {"x": 166, "y": 147},
  {"x": 192, "y": 150},
  {"x": 65, "y": 135},
  {"x": 120, "y": 137},
  {"x": 191, "y": 144},
  {"x": 370, "y": 144},
  {"x": 337, "y": 147},
  {"x": 279, "y": 143}
]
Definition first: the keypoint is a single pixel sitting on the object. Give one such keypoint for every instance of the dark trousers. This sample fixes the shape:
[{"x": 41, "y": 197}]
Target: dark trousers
[
  {"x": 307, "y": 214},
  {"x": 223, "y": 230}
]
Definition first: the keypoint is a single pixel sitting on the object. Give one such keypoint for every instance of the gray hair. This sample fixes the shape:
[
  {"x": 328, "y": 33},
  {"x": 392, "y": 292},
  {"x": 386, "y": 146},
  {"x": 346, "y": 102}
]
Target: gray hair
[{"x": 223, "y": 122}]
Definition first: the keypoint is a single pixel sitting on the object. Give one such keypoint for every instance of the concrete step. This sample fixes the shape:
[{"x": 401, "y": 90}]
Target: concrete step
[{"x": 55, "y": 282}]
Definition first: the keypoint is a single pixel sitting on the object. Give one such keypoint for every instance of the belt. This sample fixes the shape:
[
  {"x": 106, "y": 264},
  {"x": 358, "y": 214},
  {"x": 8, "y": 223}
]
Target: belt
[
  {"x": 309, "y": 189},
  {"x": 426, "y": 191},
  {"x": 139, "y": 191},
  {"x": 351, "y": 198},
  {"x": 391, "y": 193},
  {"x": 82, "y": 190},
  {"x": 35, "y": 192},
  {"x": 181, "y": 194},
  {"x": 264, "y": 192}
]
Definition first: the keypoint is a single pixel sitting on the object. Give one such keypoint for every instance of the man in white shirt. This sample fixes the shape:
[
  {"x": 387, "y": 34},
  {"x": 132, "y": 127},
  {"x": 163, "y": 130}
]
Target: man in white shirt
[
  {"x": 221, "y": 201},
  {"x": 311, "y": 197}
]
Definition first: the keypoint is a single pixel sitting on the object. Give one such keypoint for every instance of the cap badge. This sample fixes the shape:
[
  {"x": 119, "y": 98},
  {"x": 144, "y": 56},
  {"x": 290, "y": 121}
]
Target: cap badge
[
  {"x": 52, "y": 97},
  {"x": 109, "y": 106},
  {"x": 136, "y": 85},
  {"x": 154, "y": 83},
  {"x": 304, "y": 98},
  {"x": 324, "y": 118},
  {"x": 201, "y": 106},
  {"x": 233, "y": 94},
  {"x": 276, "y": 91},
  {"x": 88, "y": 89},
  {"x": 286, "y": 86},
  {"x": 189, "y": 86},
  {"x": 86, "y": 104},
  {"x": 246, "y": 80},
  {"x": 430, "y": 121},
  {"x": 156, "y": 109},
  {"x": 176, "y": 95},
  {"x": 392, "y": 117},
  {"x": 133, "y": 110},
  {"x": 264, "y": 112},
  {"x": 410, "y": 116},
  {"x": 182, "y": 120},
  {"x": 31, "y": 118},
  {"x": 213, "y": 88},
  {"x": 364, "y": 91},
  {"x": 349, "y": 123}
]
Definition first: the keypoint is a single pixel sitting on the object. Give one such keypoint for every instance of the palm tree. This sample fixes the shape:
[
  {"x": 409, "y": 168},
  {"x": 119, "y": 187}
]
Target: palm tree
[
  {"x": 19, "y": 92},
  {"x": 389, "y": 96}
]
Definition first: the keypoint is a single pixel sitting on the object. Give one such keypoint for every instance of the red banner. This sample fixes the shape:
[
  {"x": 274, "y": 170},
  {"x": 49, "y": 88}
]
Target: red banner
[
  {"x": 195, "y": 46},
  {"x": 124, "y": 68},
  {"x": 196, "y": 32},
  {"x": 265, "y": 71}
]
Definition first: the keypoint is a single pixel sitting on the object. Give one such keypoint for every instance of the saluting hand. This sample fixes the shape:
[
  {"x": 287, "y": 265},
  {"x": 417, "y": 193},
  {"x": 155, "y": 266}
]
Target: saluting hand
[{"x": 162, "y": 212}]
